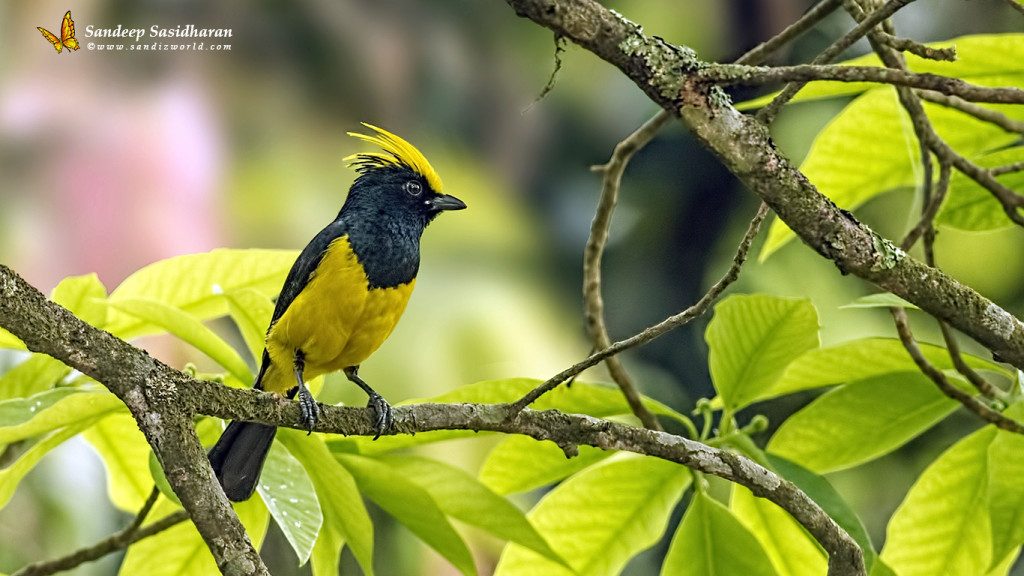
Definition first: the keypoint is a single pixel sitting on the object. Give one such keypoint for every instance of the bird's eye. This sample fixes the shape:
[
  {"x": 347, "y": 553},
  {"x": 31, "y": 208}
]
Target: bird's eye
[{"x": 413, "y": 187}]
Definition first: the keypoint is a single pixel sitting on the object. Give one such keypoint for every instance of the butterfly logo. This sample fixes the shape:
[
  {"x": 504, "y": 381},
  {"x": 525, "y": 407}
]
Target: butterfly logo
[{"x": 67, "y": 35}]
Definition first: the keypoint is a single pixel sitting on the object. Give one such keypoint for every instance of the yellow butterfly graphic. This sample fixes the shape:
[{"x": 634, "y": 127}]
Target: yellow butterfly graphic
[{"x": 67, "y": 35}]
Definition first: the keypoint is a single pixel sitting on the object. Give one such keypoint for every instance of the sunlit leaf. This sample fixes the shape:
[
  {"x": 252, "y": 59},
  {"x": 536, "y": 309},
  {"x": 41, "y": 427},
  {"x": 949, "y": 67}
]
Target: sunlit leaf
[
  {"x": 861, "y": 421},
  {"x": 47, "y": 411},
  {"x": 1006, "y": 488},
  {"x": 970, "y": 207},
  {"x": 345, "y": 519},
  {"x": 180, "y": 550},
  {"x": 196, "y": 283},
  {"x": 251, "y": 310},
  {"x": 125, "y": 454},
  {"x": 792, "y": 550},
  {"x": 520, "y": 464},
  {"x": 943, "y": 527},
  {"x": 879, "y": 300},
  {"x": 288, "y": 492},
  {"x": 600, "y": 518},
  {"x": 752, "y": 338},
  {"x": 864, "y": 358},
  {"x": 711, "y": 542},
  {"x": 11, "y": 476},
  {"x": 464, "y": 498},
  {"x": 36, "y": 374},
  {"x": 189, "y": 329},
  {"x": 84, "y": 296}
]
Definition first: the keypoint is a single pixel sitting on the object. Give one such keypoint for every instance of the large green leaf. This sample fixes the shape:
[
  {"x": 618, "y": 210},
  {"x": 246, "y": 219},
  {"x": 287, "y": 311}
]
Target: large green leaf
[
  {"x": 411, "y": 505},
  {"x": 792, "y": 550},
  {"x": 84, "y": 296},
  {"x": 864, "y": 358},
  {"x": 710, "y": 541},
  {"x": 289, "y": 494},
  {"x": 189, "y": 329},
  {"x": 125, "y": 454},
  {"x": 196, "y": 283},
  {"x": 970, "y": 207},
  {"x": 752, "y": 338},
  {"x": 11, "y": 476},
  {"x": 463, "y": 497},
  {"x": 251, "y": 310},
  {"x": 520, "y": 464},
  {"x": 36, "y": 374},
  {"x": 345, "y": 519},
  {"x": 600, "y": 518},
  {"x": 942, "y": 527},
  {"x": 180, "y": 550},
  {"x": 1006, "y": 488},
  {"x": 861, "y": 421},
  {"x": 47, "y": 411}
]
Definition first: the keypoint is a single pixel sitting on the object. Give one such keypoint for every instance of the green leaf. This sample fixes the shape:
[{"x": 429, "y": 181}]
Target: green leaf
[
  {"x": 520, "y": 464},
  {"x": 345, "y": 519},
  {"x": 84, "y": 296},
  {"x": 600, "y": 518},
  {"x": 821, "y": 491},
  {"x": 251, "y": 310},
  {"x": 792, "y": 550},
  {"x": 752, "y": 338},
  {"x": 196, "y": 284},
  {"x": 10, "y": 341},
  {"x": 47, "y": 411},
  {"x": 412, "y": 506},
  {"x": 189, "y": 329},
  {"x": 860, "y": 359},
  {"x": 1003, "y": 567},
  {"x": 125, "y": 454},
  {"x": 180, "y": 550},
  {"x": 710, "y": 541},
  {"x": 289, "y": 494},
  {"x": 943, "y": 527},
  {"x": 463, "y": 497},
  {"x": 36, "y": 374},
  {"x": 1006, "y": 488},
  {"x": 11, "y": 476},
  {"x": 861, "y": 421},
  {"x": 970, "y": 207},
  {"x": 162, "y": 484},
  {"x": 880, "y": 300}
]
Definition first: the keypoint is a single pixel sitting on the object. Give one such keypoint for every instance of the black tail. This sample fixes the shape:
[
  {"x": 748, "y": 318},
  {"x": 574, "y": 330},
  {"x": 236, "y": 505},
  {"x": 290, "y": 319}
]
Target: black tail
[{"x": 238, "y": 457}]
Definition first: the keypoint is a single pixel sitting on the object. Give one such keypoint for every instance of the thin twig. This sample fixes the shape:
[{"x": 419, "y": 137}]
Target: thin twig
[
  {"x": 663, "y": 327},
  {"x": 1016, "y": 5},
  {"x": 559, "y": 48},
  {"x": 979, "y": 112},
  {"x": 593, "y": 303},
  {"x": 118, "y": 541},
  {"x": 768, "y": 113},
  {"x": 985, "y": 387},
  {"x": 815, "y": 14},
  {"x": 727, "y": 74},
  {"x": 930, "y": 208},
  {"x": 921, "y": 50},
  {"x": 1007, "y": 168},
  {"x": 899, "y": 315}
]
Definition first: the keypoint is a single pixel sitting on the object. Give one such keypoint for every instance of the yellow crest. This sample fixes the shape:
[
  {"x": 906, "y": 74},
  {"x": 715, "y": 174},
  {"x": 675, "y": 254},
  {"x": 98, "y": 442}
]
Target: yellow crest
[{"x": 399, "y": 153}]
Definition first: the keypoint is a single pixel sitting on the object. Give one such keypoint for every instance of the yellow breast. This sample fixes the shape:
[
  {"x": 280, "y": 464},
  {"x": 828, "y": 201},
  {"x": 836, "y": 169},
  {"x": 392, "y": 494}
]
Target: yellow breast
[{"x": 336, "y": 320}]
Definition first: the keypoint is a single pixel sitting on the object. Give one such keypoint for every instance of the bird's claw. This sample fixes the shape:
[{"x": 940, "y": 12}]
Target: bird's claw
[
  {"x": 383, "y": 415},
  {"x": 309, "y": 410}
]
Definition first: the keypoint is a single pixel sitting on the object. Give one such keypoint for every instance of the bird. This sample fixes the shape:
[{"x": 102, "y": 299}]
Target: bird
[{"x": 342, "y": 297}]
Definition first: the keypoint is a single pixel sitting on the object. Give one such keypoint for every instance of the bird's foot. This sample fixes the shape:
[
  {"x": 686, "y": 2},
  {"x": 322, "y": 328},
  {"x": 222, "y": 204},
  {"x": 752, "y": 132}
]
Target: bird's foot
[
  {"x": 309, "y": 409},
  {"x": 383, "y": 415}
]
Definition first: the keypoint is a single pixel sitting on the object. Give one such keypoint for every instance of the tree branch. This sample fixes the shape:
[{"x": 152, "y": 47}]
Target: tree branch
[
  {"x": 979, "y": 112},
  {"x": 745, "y": 147},
  {"x": 154, "y": 394},
  {"x": 593, "y": 303},
  {"x": 50, "y": 329},
  {"x": 728, "y": 74}
]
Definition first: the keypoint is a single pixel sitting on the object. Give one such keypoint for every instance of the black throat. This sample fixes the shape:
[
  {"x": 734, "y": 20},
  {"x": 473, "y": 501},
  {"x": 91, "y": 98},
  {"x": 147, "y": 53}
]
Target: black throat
[{"x": 388, "y": 249}]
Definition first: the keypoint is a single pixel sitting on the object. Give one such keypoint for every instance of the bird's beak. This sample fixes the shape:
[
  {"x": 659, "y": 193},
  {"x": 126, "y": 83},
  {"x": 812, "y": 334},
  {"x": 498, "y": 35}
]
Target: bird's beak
[{"x": 446, "y": 202}]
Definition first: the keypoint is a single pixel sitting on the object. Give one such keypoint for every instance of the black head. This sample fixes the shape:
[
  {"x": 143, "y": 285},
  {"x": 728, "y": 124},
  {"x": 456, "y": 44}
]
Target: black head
[{"x": 396, "y": 193}]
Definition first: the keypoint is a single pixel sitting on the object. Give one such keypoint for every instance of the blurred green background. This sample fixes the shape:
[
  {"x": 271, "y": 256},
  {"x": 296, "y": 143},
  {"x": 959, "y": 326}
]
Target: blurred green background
[{"x": 112, "y": 160}]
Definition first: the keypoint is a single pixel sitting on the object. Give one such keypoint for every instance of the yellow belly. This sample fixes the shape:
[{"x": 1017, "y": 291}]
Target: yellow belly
[{"x": 336, "y": 320}]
